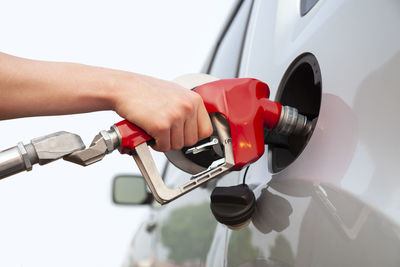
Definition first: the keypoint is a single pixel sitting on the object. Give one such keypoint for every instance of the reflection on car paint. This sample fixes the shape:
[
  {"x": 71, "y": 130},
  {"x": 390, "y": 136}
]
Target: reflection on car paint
[
  {"x": 188, "y": 233},
  {"x": 334, "y": 227},
  {"x": 271, "y": 213}
]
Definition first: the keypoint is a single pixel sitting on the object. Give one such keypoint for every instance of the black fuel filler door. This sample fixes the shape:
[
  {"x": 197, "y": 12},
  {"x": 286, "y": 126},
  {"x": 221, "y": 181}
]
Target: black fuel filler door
[{"x": 300, "y": 88}]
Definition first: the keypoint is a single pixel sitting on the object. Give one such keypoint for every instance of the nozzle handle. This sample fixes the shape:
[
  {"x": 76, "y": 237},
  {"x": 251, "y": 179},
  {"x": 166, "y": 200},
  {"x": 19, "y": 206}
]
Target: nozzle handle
[{"x": 130, "y": 136}]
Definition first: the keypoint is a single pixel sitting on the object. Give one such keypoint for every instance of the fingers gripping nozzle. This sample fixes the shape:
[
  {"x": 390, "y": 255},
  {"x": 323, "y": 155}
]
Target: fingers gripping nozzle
[{"x": 239, "y": 138}]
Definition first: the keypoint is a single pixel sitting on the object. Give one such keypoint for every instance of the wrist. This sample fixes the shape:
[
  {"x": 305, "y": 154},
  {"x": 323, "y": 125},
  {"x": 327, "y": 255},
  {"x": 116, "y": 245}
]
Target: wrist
[
  {"x": 113, "y": 85},
  {"x": 122, "y": 86}
]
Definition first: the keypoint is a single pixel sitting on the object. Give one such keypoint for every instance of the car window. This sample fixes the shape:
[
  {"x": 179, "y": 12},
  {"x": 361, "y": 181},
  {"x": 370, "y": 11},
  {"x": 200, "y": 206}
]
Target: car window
[{"x": 226, "y": 60}]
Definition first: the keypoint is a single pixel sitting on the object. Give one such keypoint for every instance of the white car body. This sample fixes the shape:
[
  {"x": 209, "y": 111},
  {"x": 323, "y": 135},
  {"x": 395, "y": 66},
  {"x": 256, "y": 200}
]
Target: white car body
[{"x": 338, "y": 203}]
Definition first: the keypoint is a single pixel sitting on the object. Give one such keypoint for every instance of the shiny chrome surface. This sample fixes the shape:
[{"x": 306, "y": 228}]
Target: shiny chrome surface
[
  {"x": 11, "y": 162},
  {"x": 291, "y": 122},
  {"x": 41, "y": 150},
  {"x": 103, "y": 143},
  {"x": 197, "y": 149}
]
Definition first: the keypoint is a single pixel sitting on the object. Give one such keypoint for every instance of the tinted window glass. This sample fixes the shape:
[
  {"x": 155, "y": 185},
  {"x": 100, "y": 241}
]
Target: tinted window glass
[
  {"x": 227, "y": 58},
  {"x": 307, "y": 5}
]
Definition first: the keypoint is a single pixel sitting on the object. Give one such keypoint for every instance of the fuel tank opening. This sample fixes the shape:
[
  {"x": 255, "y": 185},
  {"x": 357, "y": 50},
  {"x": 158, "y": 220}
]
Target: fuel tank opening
[{"x": 300, "y": 88}]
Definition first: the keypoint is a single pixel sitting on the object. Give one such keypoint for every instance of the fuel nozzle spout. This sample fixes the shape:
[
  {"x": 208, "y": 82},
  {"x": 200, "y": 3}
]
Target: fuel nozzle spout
[{"x": 291, "y": 122}]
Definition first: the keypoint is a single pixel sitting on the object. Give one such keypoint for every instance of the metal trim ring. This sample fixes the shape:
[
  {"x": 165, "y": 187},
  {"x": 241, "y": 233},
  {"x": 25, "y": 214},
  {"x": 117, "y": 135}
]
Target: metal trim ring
[{"x": 25, "y": 156}]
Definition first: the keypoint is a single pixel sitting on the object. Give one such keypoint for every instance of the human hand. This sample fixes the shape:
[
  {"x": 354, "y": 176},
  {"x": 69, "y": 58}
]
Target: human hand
[{"x": 174, "y": 116}]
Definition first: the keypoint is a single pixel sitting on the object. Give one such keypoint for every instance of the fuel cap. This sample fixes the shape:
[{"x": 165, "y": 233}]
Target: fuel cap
[{"x": 233, "y": 205}]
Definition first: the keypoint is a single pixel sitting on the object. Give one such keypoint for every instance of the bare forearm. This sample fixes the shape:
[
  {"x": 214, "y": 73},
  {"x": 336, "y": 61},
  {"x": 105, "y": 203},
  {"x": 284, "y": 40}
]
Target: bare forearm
[
  {"x": 171, "y": 114},
  {"x": 34, "y": 88}
]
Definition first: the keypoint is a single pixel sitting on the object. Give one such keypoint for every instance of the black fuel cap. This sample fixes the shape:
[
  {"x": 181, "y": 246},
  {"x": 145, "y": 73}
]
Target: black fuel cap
[{"x": 233, "y": 205}]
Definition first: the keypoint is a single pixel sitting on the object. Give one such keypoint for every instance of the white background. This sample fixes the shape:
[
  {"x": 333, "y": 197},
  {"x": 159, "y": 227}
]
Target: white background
[{"x": 61, "y": 214}]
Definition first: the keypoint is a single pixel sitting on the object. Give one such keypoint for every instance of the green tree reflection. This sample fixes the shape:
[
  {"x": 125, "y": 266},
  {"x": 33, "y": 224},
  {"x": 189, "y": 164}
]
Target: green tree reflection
[
  {"x": 188, "y": 233},
  {"x": 282, "y": 252},
  {"x": 240, "y": 249}
]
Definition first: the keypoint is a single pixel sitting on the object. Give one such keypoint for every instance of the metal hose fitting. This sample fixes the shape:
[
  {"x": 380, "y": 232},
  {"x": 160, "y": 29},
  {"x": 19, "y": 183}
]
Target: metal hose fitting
[{"x": 41, "y": 150}]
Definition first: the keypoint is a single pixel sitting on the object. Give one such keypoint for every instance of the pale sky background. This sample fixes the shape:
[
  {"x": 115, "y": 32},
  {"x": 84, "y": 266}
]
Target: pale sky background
[{"x": 62, "y": 214}]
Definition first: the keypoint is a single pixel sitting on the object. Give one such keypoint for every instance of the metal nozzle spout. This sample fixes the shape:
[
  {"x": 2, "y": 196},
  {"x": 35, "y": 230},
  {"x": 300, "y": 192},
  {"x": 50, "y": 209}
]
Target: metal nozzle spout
[{"x": 291, "y": 122}]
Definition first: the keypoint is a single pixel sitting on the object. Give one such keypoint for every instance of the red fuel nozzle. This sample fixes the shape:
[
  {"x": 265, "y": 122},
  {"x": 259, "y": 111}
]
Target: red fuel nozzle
[{"x": 244, "y": 103}]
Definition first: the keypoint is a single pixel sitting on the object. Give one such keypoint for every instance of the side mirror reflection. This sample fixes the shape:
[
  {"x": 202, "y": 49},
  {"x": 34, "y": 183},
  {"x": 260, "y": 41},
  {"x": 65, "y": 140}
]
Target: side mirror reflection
[{"x": 130, "y": 190}]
